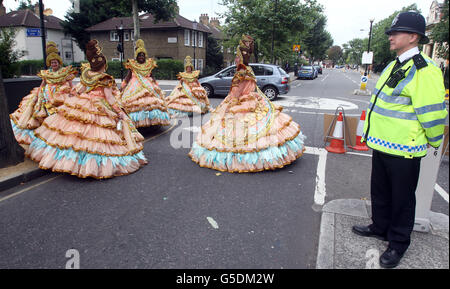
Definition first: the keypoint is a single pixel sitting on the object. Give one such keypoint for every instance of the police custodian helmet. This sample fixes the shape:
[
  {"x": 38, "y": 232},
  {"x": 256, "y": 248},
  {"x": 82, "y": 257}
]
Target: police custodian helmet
[{"x": 410, "y": 21}]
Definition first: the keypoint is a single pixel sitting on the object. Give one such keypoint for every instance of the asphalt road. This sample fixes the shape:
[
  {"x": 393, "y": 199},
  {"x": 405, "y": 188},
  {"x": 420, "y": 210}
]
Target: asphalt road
[{"x": 174, "y": 214}]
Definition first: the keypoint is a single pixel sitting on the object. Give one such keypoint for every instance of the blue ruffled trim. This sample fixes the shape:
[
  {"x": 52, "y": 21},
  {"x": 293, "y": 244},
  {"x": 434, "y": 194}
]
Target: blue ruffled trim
[
  {"x": 180, "y": 113},
  {"x": 153, "y": 114},
  {"x": 269, "y": 154},
  {"x": 83, "y": 157},
  {"x": 22, "y": 132}
]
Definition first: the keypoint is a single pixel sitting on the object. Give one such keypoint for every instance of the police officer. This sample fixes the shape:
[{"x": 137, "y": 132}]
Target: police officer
[{"x": 406, "y": 115}]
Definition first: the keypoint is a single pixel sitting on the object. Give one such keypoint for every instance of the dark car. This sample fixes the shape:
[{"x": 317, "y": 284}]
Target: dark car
[
  {"x": 308, "y": 72},
  {"x": 271, "y": 79},
  {"x": 319, "y": 68}
]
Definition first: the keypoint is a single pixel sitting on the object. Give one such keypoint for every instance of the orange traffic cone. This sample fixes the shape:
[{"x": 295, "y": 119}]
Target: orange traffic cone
[
  {"x": 359, "y": 132},
  {"x": 337, "y": 143}
]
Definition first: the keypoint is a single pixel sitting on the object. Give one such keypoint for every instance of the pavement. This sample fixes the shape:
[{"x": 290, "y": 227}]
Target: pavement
[{"x": 338, "y": 247}]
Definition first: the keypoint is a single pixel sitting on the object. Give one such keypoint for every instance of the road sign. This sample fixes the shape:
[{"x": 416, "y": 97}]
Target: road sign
[
  {"x": 296, "y": 48},
  {"x": 364, "y": 80},
  {"x": 33, "y": 32},
  {"x": 367, "y": 58}
]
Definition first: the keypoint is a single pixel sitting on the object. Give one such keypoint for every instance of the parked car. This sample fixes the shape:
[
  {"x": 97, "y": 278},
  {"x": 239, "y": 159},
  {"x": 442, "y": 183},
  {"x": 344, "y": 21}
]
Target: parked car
[
  {"x": 319, "y": 68},
  {"x": 307, "y": 72},
  {"x": 271, "y": 79}
]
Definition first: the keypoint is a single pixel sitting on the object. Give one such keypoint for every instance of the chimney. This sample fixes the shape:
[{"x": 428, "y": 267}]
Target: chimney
[
  {"x": 215, "y": 22},
  {"x": 2, "y": 10},
  {"x": 204, "y": 19},
  {"x": 36, "y": 8}
]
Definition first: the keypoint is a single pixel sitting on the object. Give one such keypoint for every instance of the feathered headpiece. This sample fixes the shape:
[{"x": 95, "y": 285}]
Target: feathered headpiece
[
  {"x": 242, "y": 45},
  {"x": 188, "y": 62},
  {"x": 94, "y": 55},
  {"x": 52, "y": 53},
  {"x": 140, "y": 47}
]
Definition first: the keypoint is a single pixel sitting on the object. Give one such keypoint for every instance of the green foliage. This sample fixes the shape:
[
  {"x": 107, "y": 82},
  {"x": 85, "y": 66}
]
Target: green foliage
[
  {"x": 25, "y": 5},
  {"x": 30, "y": 67},
  {"x": 336, "y": 54},
  {"x": 160, "y": 9},
  {"x": 9, "y": 56},
  {"x": 353, "y": 50},
  {"x": 440, "y": 34},
  {"x": 168, "y": 69},
  {"x": 284, "y": 20},
  {"x": 214, "y": 57}
]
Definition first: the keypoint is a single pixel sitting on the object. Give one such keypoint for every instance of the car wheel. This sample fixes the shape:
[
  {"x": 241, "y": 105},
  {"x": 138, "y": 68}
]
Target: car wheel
[
  {"x": 209, "y": 90},
  {"x": 271, "y": 92}
]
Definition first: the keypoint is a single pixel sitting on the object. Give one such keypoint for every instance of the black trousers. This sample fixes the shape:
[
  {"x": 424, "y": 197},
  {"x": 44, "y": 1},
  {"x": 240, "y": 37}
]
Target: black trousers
[{"x": 393, "y": 186}]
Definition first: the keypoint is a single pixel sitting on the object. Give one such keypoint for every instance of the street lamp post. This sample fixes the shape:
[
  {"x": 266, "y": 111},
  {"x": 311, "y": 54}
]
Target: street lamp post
[
  {"x": 120, "y": 48},
  {"x": 194, "y": 39},
  {"x": 368, "y": 46}
]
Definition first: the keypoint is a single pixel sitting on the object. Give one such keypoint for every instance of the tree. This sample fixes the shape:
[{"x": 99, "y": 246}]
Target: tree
[
  {"x": 440, "y": 34},
  {"x": 11, "y": 153},
  {"x": 353, "y": 51},
  {"x": 160, "y": 9},
  {"x": 317, "y": 40},
  {"x": 335, "y": 54},
  {"x": 91, "y": 13},
  {"x": 261, "y": 20},
  {"x": 214, "y": 56},
  {"x": 9, "y": 55}
]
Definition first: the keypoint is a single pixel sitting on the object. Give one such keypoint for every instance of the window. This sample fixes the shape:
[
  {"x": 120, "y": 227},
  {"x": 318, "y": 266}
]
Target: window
[
  {"x": 187, "y": 38},
  {"x": 229, "y": 73},
  {"x": 200, "y": 39},
  {"x": 126, "y": 36},
  {"x": 200, "y": 64},
  {"x": 113, "y": 36},
  {"x": 268, "y": 70},
  {"x": 194, "y": 38},
  {"x": 258, "y": 70},
  {"x": 68, "y": 55}
]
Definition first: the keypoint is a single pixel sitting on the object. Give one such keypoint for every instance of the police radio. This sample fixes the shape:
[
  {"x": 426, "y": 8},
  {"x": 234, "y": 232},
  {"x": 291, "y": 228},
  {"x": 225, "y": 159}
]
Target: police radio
[{"x": 396, "y": 77}]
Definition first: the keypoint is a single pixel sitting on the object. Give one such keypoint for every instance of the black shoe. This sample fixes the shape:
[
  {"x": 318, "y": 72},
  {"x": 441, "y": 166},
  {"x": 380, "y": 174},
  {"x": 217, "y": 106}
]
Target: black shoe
[
  {"x": 365, "y": 231},
  {"x": 390, "y": 258}
]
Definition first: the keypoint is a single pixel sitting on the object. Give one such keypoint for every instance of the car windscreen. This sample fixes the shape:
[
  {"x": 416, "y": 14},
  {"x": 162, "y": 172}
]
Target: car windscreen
[{"x": 307, "y": 68}]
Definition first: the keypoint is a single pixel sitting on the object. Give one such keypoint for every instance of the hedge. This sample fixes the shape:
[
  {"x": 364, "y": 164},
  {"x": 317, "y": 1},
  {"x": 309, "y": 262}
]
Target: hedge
[{"x": 167, "y": 68}]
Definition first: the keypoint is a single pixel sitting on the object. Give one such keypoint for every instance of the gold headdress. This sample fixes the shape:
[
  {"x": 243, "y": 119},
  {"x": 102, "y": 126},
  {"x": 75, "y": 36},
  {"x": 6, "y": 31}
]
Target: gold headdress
[
  {"x": 52, "y": 53},
  {"x": 140, "y": 47},
  {"x": 242, "y": 45},
  {"x": 188, "y": 62},
  {"x": 95, "y": 56}
]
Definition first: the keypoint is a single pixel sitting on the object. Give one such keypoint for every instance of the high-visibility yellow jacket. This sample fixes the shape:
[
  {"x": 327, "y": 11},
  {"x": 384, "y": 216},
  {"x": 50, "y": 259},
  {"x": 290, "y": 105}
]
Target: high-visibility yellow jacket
[{"x": 402, "y": 120}]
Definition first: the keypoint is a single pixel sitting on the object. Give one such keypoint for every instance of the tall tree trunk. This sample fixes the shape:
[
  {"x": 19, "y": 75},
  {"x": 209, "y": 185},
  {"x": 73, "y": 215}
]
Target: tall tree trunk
[
  {"x": 11, "y": 153},
  {"x": 137, "y": 34}
]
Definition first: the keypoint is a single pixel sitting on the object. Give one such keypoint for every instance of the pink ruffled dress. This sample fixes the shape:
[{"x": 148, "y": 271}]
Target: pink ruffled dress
[
  {"x": 86, "y": 137},
  {"x": 41, "y": 102},
  {"x": 247, "y": 132}
]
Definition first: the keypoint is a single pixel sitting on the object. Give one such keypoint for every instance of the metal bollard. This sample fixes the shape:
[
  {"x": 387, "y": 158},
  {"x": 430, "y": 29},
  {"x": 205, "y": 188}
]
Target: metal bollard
[{"x": 429, "y": 168}]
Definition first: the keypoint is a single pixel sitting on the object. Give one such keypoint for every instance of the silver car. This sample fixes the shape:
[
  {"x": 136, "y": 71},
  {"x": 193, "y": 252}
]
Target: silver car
[{"x": 271, "y": 79}]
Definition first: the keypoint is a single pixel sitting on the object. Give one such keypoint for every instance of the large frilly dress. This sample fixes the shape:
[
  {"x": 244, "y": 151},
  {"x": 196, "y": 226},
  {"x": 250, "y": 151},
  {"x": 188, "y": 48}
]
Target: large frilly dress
[
  {"x": 247, "y": 132},
  {"x": 41, "y": 102},
  {"x": 85, "y": 137},
  {"x": 142, "y": 98},
  {"x": 188, "y": 97}
]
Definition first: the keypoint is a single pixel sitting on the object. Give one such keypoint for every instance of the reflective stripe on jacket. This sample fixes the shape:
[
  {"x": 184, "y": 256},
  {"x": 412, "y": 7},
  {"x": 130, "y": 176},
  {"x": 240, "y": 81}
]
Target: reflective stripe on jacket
[{"x": 409, "y": 116}]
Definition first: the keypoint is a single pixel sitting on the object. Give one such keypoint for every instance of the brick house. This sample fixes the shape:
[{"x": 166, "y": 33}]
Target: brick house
[
  {"x": 216, "y": 32},
  {"x": 173, "y": 39},
  {"x": 27, "y": 25},
  {"x": 434, "y": 16}
]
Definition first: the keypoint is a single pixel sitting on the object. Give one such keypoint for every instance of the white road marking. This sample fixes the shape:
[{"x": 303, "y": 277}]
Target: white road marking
[
  {"x": 212, "y": 222},
  {"x": 320, "y": 103},
  {"x": 320, "y": 190},
  {"x": 441, "y": 192},
  {"x": 325, "y": 77}
]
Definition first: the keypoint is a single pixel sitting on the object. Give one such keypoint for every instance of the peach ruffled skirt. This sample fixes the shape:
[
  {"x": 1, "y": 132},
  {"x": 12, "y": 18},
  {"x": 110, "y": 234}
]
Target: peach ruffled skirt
[
  {"x": 144, "y": 101},
  {"x": 187, "y": 99},
  {"x": 248, "y": 133},
  {"x": 83, "y": 139}
]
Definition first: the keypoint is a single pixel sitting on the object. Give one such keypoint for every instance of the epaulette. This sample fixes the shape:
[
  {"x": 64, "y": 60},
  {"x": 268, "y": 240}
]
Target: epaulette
[{"x": 419, "y": 61}]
